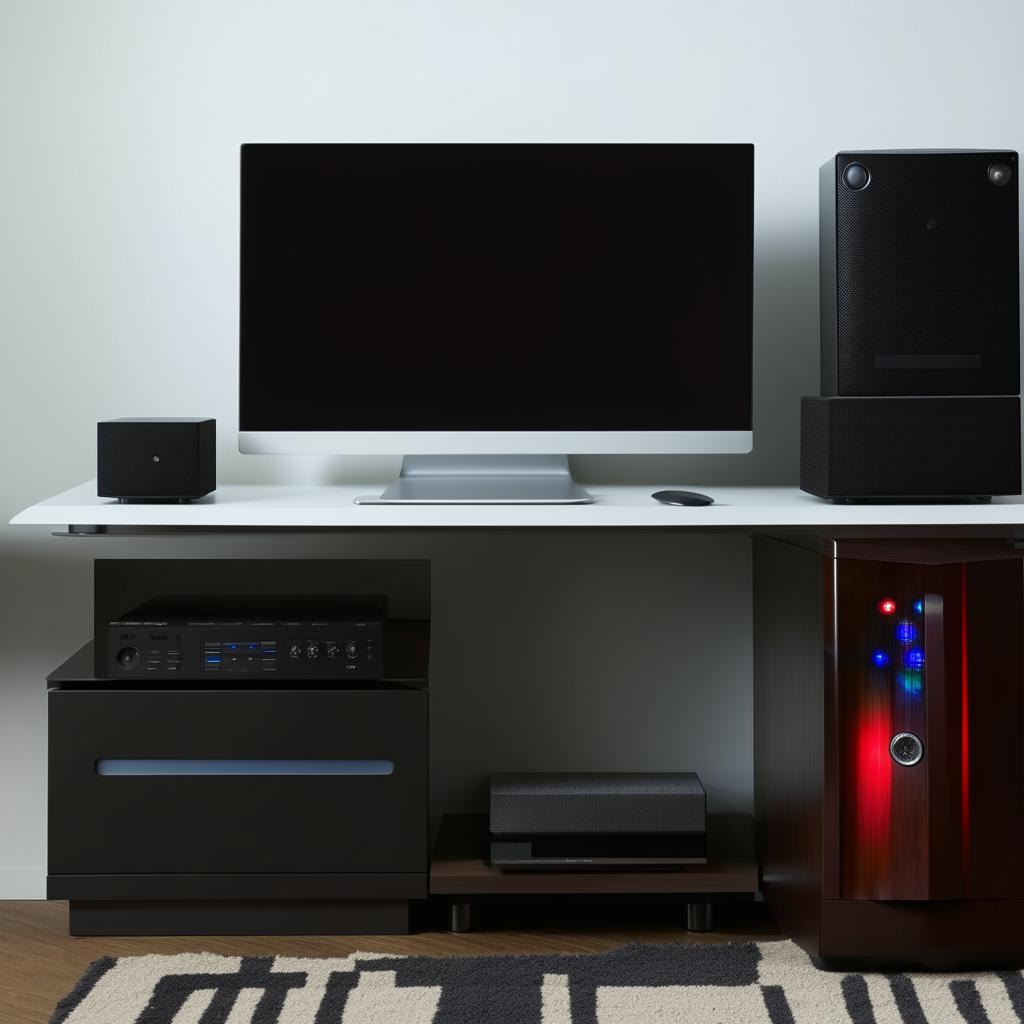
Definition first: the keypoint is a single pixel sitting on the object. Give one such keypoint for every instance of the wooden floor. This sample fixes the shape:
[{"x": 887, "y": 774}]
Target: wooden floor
[{"x": 40, "y": 963}]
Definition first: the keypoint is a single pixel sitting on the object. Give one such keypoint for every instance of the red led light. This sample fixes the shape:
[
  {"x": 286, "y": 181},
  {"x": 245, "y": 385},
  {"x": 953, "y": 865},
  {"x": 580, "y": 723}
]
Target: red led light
[{"x": 887, "y": 606}]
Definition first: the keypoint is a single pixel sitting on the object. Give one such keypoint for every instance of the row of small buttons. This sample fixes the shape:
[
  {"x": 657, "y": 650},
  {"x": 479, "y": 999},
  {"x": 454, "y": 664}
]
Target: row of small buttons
[
  {"x": 239, "y": 656},
  {"x": 154, "y": 661}
]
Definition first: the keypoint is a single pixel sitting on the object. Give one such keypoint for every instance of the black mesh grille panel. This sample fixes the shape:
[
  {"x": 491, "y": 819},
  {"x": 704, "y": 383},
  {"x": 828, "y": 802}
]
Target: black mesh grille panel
[
  {"x": 814, "y": 446},
  {"x": 927, "y": 293},
  {"x": 565, "y": 803},
  {"x": 910, "y": 447}
]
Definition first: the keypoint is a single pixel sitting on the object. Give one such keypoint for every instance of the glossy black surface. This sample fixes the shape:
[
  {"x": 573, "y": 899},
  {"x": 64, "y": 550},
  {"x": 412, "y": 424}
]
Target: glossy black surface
[
  {"x": 682, "y": 498},
  {"x": 496, "y": 287}
]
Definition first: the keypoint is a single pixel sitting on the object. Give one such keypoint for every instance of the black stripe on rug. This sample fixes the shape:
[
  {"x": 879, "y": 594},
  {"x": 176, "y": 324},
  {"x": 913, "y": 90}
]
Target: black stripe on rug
[
  {"x": 777, "y": 1005},
  {"x": 85, "y": 985},
  {"x": 1014, "y": 983},
  {"x": 906, "y": 999},
  {"x": 858, "y": 1001},
  {"x": 968, "y": 1002}
]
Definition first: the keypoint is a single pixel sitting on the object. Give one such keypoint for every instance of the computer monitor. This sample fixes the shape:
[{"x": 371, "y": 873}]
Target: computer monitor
[{"x": 497, "y": 305}]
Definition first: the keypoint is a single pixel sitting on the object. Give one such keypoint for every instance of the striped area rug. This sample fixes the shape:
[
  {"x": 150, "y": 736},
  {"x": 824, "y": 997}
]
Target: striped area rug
[{"x": 767, "y": 982}]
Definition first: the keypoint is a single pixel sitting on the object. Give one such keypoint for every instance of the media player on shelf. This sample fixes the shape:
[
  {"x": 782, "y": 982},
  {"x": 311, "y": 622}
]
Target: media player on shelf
[
  {"x": 156, "y": 460},
  {"x": 597, "y": 820}
]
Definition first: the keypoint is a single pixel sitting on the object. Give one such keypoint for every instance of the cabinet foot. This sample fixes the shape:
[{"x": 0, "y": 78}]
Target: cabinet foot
[
  {"x": 700, "y": 917},
  {"x": 460, "y": 915}
]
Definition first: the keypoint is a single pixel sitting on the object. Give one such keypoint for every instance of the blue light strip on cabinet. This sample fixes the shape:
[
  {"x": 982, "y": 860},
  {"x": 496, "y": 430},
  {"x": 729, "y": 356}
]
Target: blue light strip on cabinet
[{"x": 148, "y": 766}]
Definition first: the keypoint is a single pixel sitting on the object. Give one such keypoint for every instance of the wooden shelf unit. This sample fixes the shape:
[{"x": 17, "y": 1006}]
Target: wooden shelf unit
[{"x": 460, "y": 870}]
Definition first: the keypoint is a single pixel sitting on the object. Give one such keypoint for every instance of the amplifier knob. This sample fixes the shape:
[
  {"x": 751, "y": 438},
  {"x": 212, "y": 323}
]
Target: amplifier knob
[
  {"x": 295, "y": 651},
  {"x": 312, "y": 651},
  {"x": 352, "y": 650},
  {"x": 129, "y": 658}
]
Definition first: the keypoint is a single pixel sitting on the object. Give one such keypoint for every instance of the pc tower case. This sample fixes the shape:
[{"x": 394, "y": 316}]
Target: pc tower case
[{"x": 889, "y": 747}]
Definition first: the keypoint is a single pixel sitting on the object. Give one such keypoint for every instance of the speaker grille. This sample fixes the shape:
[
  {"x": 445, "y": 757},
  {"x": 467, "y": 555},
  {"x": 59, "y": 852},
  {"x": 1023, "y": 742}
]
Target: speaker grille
[
  {"x": 814, "y": 446},
  {"x": 926, "y": 276},
  {"x": 910, "y": 447}
]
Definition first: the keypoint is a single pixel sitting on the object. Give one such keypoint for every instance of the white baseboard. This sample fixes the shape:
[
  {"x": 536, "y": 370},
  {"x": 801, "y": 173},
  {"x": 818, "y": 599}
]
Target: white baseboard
[{"x": 22, "y": 884}]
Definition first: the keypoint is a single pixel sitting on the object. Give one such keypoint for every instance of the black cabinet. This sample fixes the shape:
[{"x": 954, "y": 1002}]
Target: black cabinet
[
  {"x": 299, "y": 810},
  {"x": 253, "y": 805},
  {"x": 266, "y": 781}
]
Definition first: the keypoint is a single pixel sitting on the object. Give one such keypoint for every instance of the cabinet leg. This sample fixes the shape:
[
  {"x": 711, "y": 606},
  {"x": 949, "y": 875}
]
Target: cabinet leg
[
  {"x": 460, "y": 915},
  {"x": 700, "y": 917}
]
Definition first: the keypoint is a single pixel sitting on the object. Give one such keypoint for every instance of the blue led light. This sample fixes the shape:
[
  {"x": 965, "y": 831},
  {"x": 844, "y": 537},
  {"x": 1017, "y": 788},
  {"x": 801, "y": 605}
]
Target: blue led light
[
  {"x": 906, "y": 632},
  {"x": 880, "y": 658},
  {"x": 910, "y": 682},
  {"x": 919, "y": 606},
  {"x": 913, "y": 658}
]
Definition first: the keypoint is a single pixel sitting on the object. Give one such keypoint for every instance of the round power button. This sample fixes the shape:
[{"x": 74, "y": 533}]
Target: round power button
[
  {"x": 128, "y": 658},
  {"x": 906, "y": 748}
]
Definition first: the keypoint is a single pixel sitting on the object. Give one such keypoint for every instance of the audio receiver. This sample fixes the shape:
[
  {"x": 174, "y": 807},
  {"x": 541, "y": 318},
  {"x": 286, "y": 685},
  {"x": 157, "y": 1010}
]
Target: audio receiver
[{"x": 320, "y": 644}]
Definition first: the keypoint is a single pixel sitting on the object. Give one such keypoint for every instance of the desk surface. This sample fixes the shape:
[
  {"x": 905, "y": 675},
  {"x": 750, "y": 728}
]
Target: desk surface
[{"x": 304, "y": 507}]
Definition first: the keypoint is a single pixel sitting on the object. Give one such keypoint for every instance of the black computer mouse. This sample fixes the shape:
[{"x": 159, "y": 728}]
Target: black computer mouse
[{"x": 682, "y": 498}]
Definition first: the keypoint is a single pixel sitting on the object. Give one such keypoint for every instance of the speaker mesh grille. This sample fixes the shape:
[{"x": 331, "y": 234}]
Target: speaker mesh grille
[
  {"x": 928, "y": 447},
  {"x": 927, "y": 272},
  {"x": 814, "y": 447}
]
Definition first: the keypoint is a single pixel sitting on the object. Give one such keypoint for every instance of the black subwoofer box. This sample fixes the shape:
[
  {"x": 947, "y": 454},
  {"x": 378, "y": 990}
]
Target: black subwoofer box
[
  {"x": 156, "y": 459},
  {"x": 918, "y": 448}
]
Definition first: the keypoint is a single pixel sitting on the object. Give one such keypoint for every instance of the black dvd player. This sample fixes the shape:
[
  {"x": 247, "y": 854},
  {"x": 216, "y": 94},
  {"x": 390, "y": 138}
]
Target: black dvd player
[
  {"x": 597, "y": 820},
  {"x": 152, "y": 643}
]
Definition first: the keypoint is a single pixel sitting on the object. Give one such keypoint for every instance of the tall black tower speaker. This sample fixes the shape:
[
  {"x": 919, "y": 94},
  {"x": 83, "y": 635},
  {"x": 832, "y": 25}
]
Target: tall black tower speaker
[{"x": 920, "y": 299}]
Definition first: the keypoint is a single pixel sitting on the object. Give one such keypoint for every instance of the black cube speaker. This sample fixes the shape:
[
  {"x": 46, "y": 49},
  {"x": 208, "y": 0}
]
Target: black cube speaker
[
  {"x": 917, "y": 448},
  {"x": 156, "y": 459},
  {"x": 919, "y": 273}
]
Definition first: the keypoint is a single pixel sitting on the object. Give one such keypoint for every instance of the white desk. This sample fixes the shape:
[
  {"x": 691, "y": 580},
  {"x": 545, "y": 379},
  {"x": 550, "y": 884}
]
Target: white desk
[
  {"x": 289, "y": 507},
  {"x": 787, "y": 577}
]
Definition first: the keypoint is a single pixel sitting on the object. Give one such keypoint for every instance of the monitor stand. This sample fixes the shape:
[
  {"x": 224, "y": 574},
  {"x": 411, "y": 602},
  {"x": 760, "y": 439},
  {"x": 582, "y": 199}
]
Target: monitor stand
[{"x": 482, "y": 480}]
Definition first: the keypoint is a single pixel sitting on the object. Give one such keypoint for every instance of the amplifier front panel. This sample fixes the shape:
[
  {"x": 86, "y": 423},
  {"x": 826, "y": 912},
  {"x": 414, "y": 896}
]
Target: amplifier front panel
[{"x": 216, "y": 651}]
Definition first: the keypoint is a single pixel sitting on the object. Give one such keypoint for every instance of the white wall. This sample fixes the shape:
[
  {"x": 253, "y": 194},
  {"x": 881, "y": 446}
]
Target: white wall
[{"x": 119, "y": 127}]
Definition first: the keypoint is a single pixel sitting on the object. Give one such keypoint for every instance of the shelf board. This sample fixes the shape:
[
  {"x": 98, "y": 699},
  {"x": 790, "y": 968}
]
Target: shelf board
[
  {"x": 460, "y": 868},
  {"x": 277, "y": 507}
]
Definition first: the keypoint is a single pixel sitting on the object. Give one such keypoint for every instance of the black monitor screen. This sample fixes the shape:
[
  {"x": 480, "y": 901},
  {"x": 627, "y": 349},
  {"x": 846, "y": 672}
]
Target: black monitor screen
[{"x": 496, "y": 287}]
